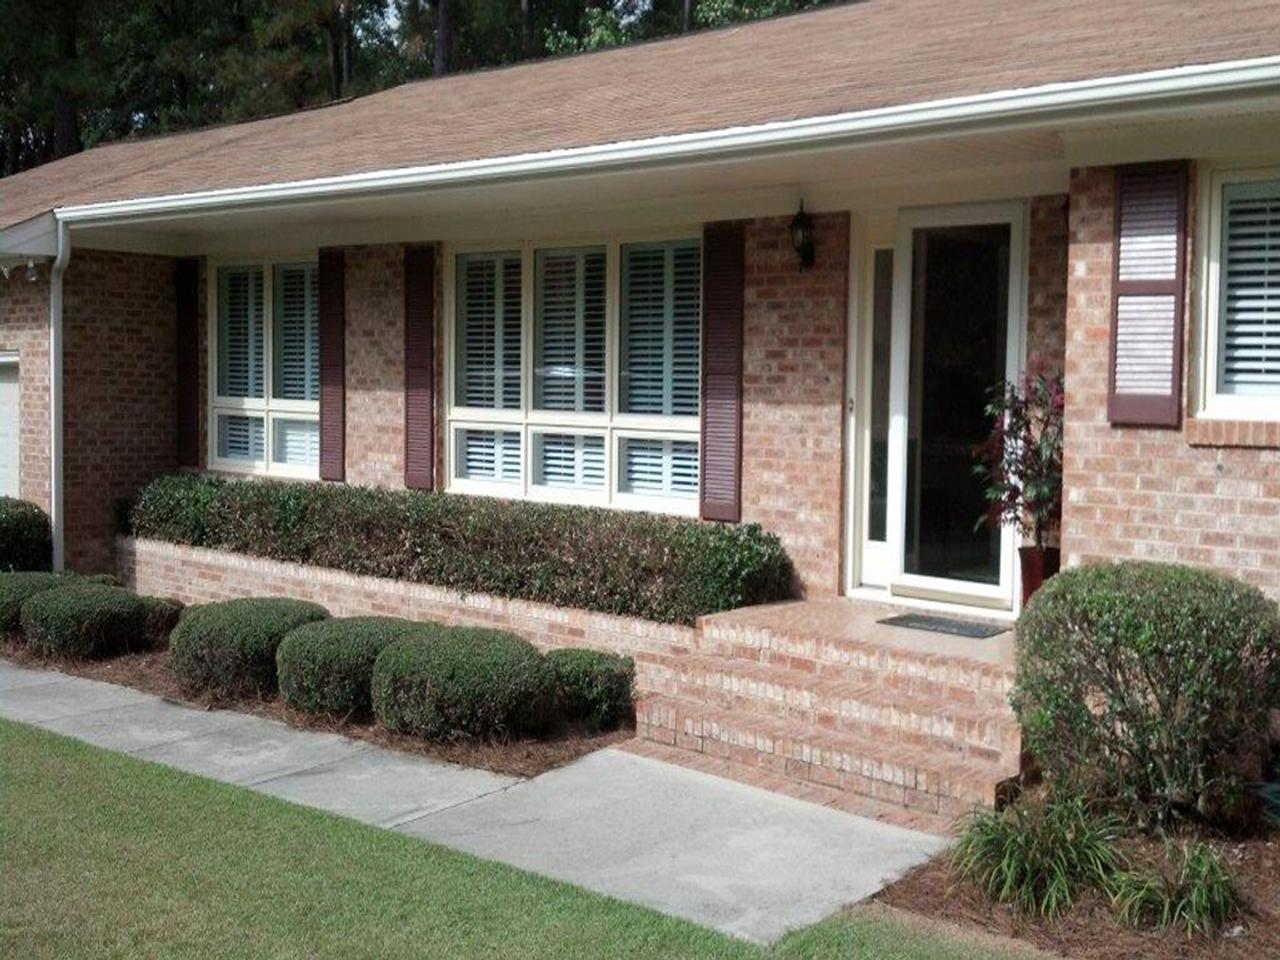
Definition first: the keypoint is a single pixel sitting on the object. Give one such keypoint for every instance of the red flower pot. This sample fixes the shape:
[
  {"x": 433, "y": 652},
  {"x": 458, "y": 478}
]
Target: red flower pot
[{"x": 1038, "y": 564}]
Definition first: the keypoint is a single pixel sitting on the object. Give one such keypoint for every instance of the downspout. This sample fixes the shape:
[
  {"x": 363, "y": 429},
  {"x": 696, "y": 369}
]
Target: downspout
[{"x": 57, "y": 518}]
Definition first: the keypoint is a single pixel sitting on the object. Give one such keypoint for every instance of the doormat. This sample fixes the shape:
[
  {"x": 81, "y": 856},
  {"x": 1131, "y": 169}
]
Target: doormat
[{"x": 977, "y": 629}]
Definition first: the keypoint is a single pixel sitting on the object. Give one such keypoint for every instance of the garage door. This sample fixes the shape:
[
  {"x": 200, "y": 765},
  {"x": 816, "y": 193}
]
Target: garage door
[{"x": 8, "y": 428}]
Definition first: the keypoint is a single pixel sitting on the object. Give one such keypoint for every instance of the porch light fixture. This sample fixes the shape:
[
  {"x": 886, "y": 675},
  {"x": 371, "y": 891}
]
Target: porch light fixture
[
  {"x": 32, "y": 273},
  {"x": 802, "y": 237}
]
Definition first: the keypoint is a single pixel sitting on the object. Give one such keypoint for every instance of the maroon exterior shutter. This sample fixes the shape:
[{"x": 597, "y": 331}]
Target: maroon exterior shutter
[
  {"x": 419, "y": 367},
  {"x": 186, "y": 282},
  {"x": 333, "y": 363},
  {"x": 1148, "y": 290},
  {"x": 723, "y": 297}
]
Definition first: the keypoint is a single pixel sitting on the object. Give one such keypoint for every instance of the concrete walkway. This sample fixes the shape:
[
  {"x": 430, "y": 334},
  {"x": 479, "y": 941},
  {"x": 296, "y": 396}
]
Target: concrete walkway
[{"x": 742, "y": 860}]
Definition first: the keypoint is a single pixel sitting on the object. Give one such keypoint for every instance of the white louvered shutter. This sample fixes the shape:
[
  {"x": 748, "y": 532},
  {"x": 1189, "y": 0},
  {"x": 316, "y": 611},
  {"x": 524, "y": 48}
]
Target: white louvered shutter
[
  {"x": 241, "y": 437},
  {"x": 661, "y": 328},
  {"x": 1249, "y": 289},
  {"x": 570, "y": 461},
  {"x": 570, "y": 330},
  {"x": 296, "y": 325},
  {"x": 489, "y": 455},
  {"x": 1149, "y": 287},
  {"x": 488, "y": 354},
  {"x": 240, "y": 332},
  {"x": 656, "y": 467}
]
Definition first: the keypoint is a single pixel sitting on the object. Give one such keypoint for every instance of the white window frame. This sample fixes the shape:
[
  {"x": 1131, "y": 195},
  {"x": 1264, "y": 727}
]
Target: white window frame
[
  {"x": 268, "y": 407},
  {"x": 610, "y": 423},
  {"x": 1213, "y": 404}
]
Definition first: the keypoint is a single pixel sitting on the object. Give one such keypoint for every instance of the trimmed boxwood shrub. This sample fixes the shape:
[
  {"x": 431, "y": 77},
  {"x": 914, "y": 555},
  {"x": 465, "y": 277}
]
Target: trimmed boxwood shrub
[
  {"x": 17, "y": 586},
  {"x": 1148, "y": 684},
  {"x": 25, "y": 540},
  {"x": 83, "y": 620},
  {"x": 462, "y": 682},
  {"x": 228, "y": 649},
  {"x": 593, "y": 686},
  {"x": 326, "y": 666},
  {"x": 669, "y": 569}
]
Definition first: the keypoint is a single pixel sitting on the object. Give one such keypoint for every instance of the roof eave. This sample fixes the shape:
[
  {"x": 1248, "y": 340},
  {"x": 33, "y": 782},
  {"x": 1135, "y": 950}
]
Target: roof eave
[{"x": 1060, "y": 101}]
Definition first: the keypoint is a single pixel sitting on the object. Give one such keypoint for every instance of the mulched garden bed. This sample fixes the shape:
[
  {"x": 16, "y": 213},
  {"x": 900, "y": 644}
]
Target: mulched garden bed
[
  {"x": 1090, "y": 932},
  {"x": 520, "y": 758}
]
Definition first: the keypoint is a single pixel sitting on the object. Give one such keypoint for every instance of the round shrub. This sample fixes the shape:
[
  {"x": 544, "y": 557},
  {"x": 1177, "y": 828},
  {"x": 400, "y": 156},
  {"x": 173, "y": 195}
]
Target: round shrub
[
  {"x": 462, "y": 682},
  {"x": 229, "y": 648},
  {"x": 593, "y": 686},
  {"x": 83, "y": 620},
  {"x": 17, "y": 587},
  {"x": 1148, "y": 684},
  {"x": 25, "y": 542},
  {"x": 326, "y": 666}
]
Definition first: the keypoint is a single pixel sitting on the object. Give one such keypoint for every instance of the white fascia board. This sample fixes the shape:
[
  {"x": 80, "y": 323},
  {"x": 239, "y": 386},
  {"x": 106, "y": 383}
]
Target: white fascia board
[
  {"x": 1003, "y": 108},
  {"x": 37, "y": 237}
]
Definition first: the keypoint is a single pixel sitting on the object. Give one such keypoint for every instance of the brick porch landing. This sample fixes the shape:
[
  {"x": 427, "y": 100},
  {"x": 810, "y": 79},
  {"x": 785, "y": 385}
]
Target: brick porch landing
[{"x": 818, "y": 699}]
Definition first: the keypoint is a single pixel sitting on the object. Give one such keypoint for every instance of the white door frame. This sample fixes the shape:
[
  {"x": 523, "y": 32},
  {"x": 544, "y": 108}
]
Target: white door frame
[{"x": 1013, "y": 213}]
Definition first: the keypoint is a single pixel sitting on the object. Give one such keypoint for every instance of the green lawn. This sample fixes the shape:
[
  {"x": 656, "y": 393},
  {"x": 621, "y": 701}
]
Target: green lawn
[{"x": 107, "y": 856}]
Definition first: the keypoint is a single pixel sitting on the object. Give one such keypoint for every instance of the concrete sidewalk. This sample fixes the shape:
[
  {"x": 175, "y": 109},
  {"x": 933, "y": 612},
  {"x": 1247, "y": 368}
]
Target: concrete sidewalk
[{"x": 742, "y": 860}]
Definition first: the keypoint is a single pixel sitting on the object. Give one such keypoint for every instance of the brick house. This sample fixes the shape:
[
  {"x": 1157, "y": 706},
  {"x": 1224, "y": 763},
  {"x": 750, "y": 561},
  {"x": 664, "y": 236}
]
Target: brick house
[{"x": 578, "y": 280}]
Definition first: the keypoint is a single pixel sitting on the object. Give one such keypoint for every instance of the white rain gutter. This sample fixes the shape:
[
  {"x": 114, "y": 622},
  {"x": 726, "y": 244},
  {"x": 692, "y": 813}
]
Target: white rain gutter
[
  {"x": 57, "y": 518},
  {"x": 1155, "y": 88}
]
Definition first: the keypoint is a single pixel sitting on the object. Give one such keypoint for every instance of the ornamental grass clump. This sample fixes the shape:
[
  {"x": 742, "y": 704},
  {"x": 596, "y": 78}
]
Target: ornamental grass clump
[
  {"x": 1147, "y": 686},
  {"x": 228, "y": 649},
  {"x": 1193, "y": 890},
  {"x": 326, "y": 666}
]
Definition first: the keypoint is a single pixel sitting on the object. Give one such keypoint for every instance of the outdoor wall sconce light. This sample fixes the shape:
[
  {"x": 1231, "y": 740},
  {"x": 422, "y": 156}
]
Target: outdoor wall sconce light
[
  {"x": 802, "y": 237},
  {"x": 32, "y": 274}
]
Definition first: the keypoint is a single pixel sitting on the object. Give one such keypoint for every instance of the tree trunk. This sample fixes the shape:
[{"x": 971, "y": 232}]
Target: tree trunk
[
  {"x": 688, "y": 15},
  {"x": 66, "y": 115},
  {"x": 526, "y": 28},
  {"x": 444, "y": 36}
]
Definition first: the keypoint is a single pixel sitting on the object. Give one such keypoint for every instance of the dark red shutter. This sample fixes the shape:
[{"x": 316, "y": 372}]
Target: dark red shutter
[
  {"x": 723, "y": 297},
  {"x": 419, "y": 367},
  {"x": 333, "y": 363},
  {"x": 186, "y": 282},
  {"x": 1148, "y": 291}
]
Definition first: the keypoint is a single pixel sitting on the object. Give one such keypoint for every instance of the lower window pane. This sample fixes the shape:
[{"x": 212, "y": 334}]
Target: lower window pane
[
  {"x": 492, "y": 455},
  {"x": 240, "y": 437},
  {"x": 296, "y": 442},
  {"x": 569, "y": 461},
  {"x": 667, "y": 468}
]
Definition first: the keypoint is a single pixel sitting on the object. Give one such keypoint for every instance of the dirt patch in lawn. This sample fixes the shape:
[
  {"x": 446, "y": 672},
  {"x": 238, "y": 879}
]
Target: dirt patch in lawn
[
  {"x": 1090, "y": 932},
  {"x": 519, "y": 758}
]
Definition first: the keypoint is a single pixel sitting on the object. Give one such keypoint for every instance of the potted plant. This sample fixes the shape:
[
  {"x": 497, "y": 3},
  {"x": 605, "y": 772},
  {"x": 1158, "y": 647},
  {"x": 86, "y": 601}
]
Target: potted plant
[{"x": 1021, "y": 464}]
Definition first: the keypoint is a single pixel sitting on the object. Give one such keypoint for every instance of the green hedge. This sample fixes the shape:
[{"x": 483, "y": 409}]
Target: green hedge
[
  {"x": 83, "y": 620},
  {"x": 1147, "y": 684},
  {"x": 462, "y": 682},
  {"x": 25, "y": 541},
  {"x": 17, "y": 586},
  {"x": 326, "y": 666},
  {"x": 593, "y": 686},
  {"x": 228, "y": 649},
  {"x": 668, "y": 569}
]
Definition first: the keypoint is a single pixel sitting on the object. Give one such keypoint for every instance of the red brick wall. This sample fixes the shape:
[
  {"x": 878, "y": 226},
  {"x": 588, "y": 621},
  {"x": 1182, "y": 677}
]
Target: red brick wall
[
  {"x": 120, "y": 391},
  {"x": 1047, "y": 278},
  {"x": 195, "y": 575},
  {"x": 793, "y": 393},
  {"x": 375, "y": 365},
  {"x": 24, "y": 329},
  {"x": 1197, "y": 494}
]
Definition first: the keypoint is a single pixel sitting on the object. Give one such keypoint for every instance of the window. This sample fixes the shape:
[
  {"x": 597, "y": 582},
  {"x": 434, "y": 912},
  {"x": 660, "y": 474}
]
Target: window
[
  {"x": 1242, "y": 299},
  {"x": 265, "y": 404},
  {"x": 576, "y": 373}
]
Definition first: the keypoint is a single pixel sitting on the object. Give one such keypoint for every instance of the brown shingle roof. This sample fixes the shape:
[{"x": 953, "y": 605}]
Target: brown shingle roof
[{"x": 862, "y": 56}]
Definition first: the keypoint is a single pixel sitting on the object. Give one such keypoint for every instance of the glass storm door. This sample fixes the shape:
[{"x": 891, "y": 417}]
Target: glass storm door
[{"x": 957, "y": 320}]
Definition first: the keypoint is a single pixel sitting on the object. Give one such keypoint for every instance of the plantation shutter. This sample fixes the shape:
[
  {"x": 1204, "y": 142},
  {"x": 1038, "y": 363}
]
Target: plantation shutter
[
  {"x": 661, "y": 320},
  {"x": 296, "y": 332},
  {"x": 488, "y": 358},
  {"x": 570, "y": 461},
  {"x": 333, "y": 353},
  {"x": 492, "y": 455},
  {"x": 240, "y": 333},
  {"x": 1249, "y": 294},
  {"x": 570, "y": 330},
  {"x": 419, "y": 367},
  {"x": 1149, "y": 288},
  {"x": 187, "y": 297},
  {"x": 724, "y": 279}
]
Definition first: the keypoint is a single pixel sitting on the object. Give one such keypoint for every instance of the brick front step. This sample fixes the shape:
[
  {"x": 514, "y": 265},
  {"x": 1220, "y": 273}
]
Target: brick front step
[
  {"x": 830, "y": 701},
  {"x": 926, "y": 674},
  {"x": 928, "y": 780}
]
